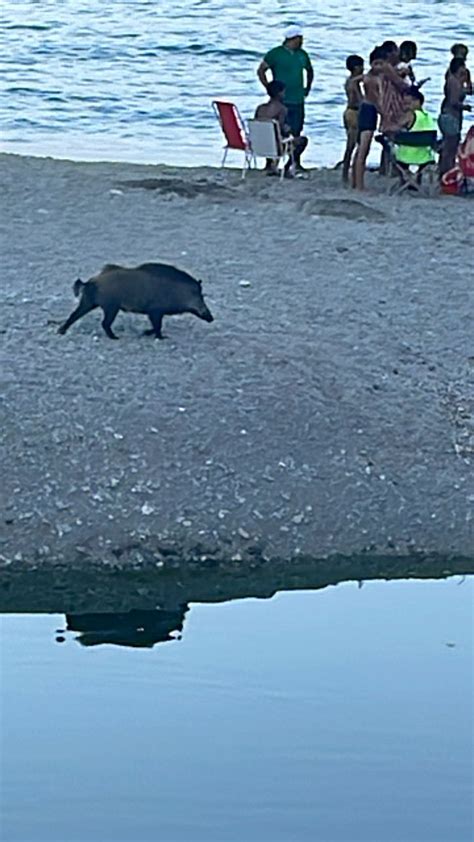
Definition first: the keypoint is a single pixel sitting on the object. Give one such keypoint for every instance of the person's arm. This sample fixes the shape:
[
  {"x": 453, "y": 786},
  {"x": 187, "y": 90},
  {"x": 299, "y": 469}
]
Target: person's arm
[
  {"x": 309, "y": 76},
  {"x": 366, "y": 87},
  {"x": 468, "y": 83},
  {"x": 282, "y": 118},
  {"x": 354, "y": 91},
  {"x": 262, "y": 73},
  {"x": 394, "y": 77},
  {"x": 406, "y": 121},
  {"x": 284, "y": 127},
  {"x": 454, "y": 94},
  {"x": 373, "y": 91}
]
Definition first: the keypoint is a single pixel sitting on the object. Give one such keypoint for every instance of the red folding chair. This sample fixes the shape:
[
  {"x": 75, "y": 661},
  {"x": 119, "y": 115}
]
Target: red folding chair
[
  {"x": 460, "y": 179},
  {"x": 234, "y": 131}
]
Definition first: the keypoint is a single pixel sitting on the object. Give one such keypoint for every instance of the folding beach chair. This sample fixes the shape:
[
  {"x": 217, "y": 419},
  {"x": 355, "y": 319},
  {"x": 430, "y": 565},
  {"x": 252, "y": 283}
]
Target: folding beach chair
[
  {"x": 421, "y": 179},
  {"x": 233, "y": 129},
  {"x": 266, "y": 142}
]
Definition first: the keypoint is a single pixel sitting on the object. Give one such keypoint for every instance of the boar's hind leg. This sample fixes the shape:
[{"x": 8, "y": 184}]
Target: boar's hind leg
[
  {"x": 109, "y": 316},
  {"x": 82, "y": 308},
  {"x": 156, "y": 318}
]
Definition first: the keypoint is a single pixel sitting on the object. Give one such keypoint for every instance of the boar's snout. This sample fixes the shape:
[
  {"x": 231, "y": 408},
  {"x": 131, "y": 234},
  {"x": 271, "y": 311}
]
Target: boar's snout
[
  {"x": 206, "y": 314},
  {"x": 202, "y": 310}
]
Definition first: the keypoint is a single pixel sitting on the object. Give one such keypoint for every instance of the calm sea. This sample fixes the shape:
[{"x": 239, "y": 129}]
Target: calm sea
[{"x": 134, "y": 79}]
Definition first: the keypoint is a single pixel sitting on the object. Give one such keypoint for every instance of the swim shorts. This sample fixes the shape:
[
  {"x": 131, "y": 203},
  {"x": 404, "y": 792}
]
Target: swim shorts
[
  {"x": 350, "y": 118},
  {"x": 449, "y": 125},
  {"x": 367, "y": 120},
  {"x": 295, "y": 118}
]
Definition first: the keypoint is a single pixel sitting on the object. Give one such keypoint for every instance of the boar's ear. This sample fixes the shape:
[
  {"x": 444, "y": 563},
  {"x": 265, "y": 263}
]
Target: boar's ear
[{"x": 200, "y": 284}]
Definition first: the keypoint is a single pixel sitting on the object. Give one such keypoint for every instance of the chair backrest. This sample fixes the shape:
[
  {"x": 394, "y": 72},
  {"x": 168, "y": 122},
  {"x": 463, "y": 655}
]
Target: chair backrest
[
  {"x": 466, "y": 154},
  {"x": 265, "y": 138},
  {"x": 231, "y": 124},
  {"x": 417, "y": 139}
]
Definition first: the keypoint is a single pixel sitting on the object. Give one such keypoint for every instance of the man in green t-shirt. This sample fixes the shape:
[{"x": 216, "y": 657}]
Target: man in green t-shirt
[{"x": 289, "y": 64}]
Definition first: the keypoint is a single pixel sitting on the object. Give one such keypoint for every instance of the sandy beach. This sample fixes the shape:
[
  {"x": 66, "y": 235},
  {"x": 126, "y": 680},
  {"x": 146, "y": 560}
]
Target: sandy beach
[{"x": 328, "y": 410}]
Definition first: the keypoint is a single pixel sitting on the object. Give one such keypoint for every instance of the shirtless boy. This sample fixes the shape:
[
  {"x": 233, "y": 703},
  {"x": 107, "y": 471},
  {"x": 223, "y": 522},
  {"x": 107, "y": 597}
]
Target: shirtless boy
[
  {"x": 369, "y": 110},
  {"x": 461, "y": 51},
  {"x": 274, "y": 109},
  {"x": 407, "y": 54},
  {"x": 352, "y": 87},
  {"x": 452, "y": 108}
]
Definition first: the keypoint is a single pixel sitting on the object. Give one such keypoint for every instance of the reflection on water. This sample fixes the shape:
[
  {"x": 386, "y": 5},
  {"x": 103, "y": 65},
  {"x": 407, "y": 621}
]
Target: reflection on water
[
  {"x": 342, "y": 714},
  {"x": 130, "y": 628}
]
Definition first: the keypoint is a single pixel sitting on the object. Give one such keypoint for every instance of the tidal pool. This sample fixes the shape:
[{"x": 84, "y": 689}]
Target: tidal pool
[{"x": 343, "y": 715}]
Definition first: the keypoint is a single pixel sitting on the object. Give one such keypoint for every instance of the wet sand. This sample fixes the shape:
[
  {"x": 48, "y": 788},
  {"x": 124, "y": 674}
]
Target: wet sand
[{"x": 328, "y": 410}]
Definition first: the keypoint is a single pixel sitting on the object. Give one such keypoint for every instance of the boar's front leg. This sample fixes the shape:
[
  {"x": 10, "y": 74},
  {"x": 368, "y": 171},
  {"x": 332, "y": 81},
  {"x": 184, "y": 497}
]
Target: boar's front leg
[
  {"x": 109, "y": 316},
  {"x": 156, "y": 318}
]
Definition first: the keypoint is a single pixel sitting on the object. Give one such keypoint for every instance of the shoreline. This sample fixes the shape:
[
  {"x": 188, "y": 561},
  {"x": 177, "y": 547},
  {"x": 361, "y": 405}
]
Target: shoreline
[
  {"x": 327, "y": 412},
  {"x": 173, "y": 582},
  {"x": 233, "y": 165}
]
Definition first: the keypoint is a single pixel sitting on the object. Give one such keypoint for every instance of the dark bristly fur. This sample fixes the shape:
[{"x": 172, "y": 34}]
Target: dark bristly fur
[{"x": 154, "y": 289}]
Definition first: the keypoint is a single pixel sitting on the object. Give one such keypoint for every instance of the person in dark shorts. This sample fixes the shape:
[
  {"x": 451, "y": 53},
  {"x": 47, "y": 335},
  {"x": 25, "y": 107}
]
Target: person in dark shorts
[
  {"x": 369, "y": 110},
  {"x": 367, "y": 119},
  {"x": 352, "y": 87},
  {"x": 452, "y": 108},
  {"x": 290, "y": 64}
]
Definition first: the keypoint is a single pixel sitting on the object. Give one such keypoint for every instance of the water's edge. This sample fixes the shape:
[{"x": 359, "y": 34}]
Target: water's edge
[{"x": 62, "y": 588}]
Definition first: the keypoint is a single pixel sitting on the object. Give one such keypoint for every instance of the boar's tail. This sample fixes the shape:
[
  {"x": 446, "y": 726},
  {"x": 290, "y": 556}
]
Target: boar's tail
[
  {"x": 77, "y": 287},
  {"x": 87, "y": 291}
]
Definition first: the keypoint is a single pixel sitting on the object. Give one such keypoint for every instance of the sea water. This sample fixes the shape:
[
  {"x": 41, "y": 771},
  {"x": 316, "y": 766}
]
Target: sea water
[{"x": 134, "y": 79}]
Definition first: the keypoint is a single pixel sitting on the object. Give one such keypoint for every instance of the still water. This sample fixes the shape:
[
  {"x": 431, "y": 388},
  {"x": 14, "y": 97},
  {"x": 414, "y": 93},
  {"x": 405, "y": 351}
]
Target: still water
[
  {"x": 134, "y": 79},
  {"x": 343, "y": 714}
]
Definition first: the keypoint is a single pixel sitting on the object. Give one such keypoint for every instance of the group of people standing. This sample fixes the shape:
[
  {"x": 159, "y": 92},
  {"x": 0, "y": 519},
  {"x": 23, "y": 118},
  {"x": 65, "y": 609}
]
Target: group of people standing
[{"x": 387, "y": 97}]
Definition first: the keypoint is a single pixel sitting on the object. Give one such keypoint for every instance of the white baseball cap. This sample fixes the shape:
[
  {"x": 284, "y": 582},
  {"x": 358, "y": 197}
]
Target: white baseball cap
[{"x": 293, "y": 31}]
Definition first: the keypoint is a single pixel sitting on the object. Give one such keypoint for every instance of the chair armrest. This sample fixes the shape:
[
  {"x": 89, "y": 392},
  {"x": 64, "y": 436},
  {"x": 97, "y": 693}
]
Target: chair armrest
[{"x": 416, "y": 139}]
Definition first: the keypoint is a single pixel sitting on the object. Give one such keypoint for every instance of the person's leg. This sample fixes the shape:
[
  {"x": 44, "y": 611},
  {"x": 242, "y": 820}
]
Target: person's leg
[
  {"x": 291, "y": 118},
  {"x": 384, "y": 159},
  {"x": 419, "y": 172},
  {"x": 299, "y": 145},
  {"x": 354, "y": 167},
  {"x": 361, "y": 157},
  {"x": 270, "y": 168},
  {"x": 295, "y": 118},
  {"x": 351, "y": 123},
  {"x": 449, "y": 149},
  {"x": 299, "y": 123},
  {"x": 350, "y": 146}
]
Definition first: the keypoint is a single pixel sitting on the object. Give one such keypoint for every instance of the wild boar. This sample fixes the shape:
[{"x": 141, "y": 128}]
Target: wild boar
[{"x": 154, "y": 289}]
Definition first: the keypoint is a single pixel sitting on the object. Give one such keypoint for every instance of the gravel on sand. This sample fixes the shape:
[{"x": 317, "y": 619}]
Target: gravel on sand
[{"x": 327, "y": 410}]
